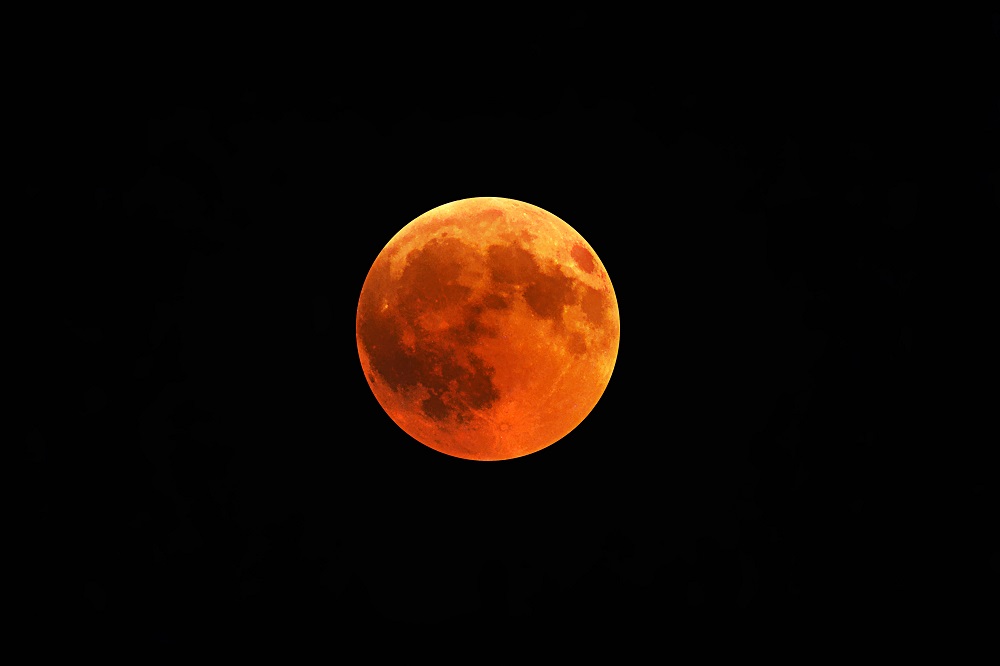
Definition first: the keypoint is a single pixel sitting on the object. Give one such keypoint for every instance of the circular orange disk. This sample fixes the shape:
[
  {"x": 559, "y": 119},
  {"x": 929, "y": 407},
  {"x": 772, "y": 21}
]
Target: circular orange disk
[{"x": 487, "y": 328}]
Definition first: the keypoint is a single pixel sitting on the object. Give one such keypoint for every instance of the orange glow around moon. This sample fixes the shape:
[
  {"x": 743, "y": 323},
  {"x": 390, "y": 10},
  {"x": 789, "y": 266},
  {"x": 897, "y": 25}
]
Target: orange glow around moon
[{"x": 487, "y": 328}]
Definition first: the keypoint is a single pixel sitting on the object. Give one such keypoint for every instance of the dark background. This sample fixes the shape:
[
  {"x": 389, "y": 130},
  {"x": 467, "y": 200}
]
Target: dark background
[{"x": 769, "y": 194}]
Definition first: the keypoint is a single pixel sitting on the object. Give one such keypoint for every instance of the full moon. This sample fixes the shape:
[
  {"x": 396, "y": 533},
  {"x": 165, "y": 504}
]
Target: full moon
[{"x": 487, "y": 328}]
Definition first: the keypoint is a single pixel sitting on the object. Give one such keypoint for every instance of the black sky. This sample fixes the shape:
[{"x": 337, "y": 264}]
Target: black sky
[{"x": 767, "y": 193}]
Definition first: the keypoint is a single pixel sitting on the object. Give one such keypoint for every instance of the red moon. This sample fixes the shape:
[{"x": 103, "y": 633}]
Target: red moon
[{"x": 488, "y": 328}]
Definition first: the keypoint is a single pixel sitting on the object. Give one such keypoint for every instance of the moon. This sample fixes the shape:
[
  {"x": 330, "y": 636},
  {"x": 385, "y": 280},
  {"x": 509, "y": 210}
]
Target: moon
[{"x": 488, "y": 328}]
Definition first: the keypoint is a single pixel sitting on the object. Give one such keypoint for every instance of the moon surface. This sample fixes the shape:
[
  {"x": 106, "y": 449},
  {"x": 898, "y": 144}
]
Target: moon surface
[{"x": 487, "y": 328}]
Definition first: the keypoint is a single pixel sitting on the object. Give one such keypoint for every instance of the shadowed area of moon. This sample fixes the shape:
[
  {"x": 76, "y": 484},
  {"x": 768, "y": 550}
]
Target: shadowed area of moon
[{"x": 487, "y": 328}]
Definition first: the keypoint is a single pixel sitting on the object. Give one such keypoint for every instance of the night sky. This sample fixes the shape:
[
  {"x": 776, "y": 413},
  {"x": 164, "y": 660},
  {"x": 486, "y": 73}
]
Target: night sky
[{"x": 769, "y": 195}]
